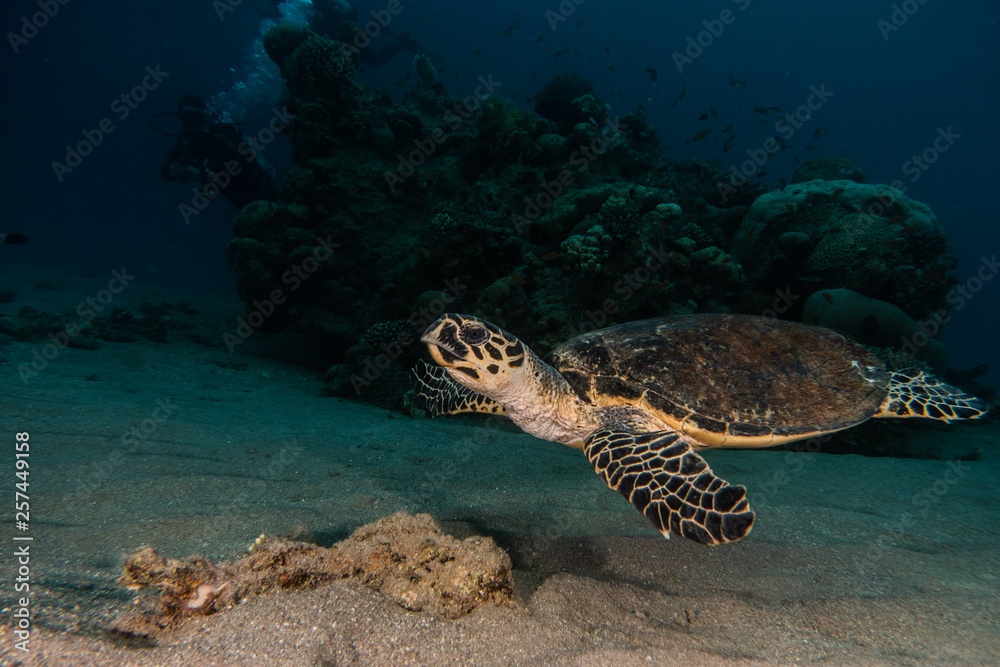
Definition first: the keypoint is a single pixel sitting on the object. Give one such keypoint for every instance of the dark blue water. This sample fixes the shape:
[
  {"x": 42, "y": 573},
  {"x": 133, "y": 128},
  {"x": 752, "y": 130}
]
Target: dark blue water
[{"x": 895, "y": 87}]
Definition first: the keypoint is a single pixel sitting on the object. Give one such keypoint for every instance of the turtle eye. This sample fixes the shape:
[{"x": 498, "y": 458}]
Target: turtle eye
[{"x": 474, "y": 334}]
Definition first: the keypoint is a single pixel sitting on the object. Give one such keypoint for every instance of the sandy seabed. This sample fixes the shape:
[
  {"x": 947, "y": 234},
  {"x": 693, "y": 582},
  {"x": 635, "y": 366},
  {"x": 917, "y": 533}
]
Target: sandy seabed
[{"x": 853, "y": 560}]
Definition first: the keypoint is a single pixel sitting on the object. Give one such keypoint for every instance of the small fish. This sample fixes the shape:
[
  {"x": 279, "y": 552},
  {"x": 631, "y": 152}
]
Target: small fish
[
  {"x": 13, "y": 238},
  {"x": 727, "y": 128},
  {"x": 653, "y": 76},
  {"x": 517, "y": 278},
  {"x": 539, "y": 39},
  {"x": 704, "y": 116},
  {"x": 749, "y": 235},
  {"x": 579, "y": 23},
  {"x": 679, "y": 97},
  {"x": 607, "y": 51},
  {"x": 477, "y": 52},
  {"x": 820, "y": 132},
  {"x": 711, "y": 110},
  {"x": 810, "y": 147},
  {"x": 736, "y": 84},
  {"x": 456, "y": 77},
  {"x": 767, "y": 111},
  {"x": 698, "y": 136},
  {"x": 610, "y": 68},
  {"x": 549, "y": 256},
  {"x": 559, "y": 53},
  {"x": 828, "y": 297},
  {"x": 509, "y": 30},
  {"x": 838, "y": 192},
  {"x": 729, "y": 143},
  {"x": 402, "y": 82},
  {"x": 782, "y": 184}
]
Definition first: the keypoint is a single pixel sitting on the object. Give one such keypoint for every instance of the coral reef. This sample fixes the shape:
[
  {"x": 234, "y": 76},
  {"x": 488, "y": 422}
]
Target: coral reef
[
  {"x": 406, "y": 557},
  {"x": 548, "y": 225},
  {"x": 828, "y": 234},
  {"x": 562, "y": 100}
]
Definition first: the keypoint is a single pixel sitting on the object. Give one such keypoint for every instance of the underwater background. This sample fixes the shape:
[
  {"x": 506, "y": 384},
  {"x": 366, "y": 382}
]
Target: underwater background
[
  {"x": 740, "y": 157},
  {"x": 892, "y": 92}
]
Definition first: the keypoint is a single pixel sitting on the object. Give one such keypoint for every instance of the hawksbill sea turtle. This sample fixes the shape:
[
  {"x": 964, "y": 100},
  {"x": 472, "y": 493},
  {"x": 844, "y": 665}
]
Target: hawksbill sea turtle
[{"x": 639, "y": 398}]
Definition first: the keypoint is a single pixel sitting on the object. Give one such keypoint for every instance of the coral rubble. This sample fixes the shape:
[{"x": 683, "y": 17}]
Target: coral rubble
[{"x": 407, "y": 557}]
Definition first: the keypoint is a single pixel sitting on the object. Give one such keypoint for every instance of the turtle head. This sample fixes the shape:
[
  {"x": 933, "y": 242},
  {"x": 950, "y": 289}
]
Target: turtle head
[{"x": 477, "y": 354}]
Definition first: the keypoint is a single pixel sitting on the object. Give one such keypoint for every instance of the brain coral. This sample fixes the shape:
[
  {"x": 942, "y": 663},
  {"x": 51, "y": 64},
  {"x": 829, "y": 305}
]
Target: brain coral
[{"x": 854, "y": 239}]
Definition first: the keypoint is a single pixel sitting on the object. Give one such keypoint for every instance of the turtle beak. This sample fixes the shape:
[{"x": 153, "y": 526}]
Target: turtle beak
[{"x": 442, "y": 341}]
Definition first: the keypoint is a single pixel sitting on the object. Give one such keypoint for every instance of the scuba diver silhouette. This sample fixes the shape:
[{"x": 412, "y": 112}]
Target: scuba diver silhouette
[{"x": 208, "y": 146}]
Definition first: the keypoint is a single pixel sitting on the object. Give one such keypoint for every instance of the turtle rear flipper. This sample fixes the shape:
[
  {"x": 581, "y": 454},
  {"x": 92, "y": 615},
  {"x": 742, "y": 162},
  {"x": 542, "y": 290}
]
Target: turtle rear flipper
[
  {"x": 672, "y": 486},
  {"x": 440, "y": 395},
  {"x": 914, "y": 393}
]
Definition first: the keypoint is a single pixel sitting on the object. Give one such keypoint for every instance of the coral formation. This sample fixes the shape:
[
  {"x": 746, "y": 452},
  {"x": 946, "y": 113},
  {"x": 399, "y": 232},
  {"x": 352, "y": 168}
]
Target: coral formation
[
  {"x": 548, "y": 225},
  {"x": 406, "y": 557},
  {"x": 585, "y": 251},
  {"x": 872, "y": 239},
  {"x": 282, "y": 40},
  {"x": 558, "y": 101}
]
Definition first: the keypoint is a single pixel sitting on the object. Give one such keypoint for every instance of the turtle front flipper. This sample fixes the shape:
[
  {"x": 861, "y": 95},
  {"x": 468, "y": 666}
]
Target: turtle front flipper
[
  {"x": 441, "y": 395},
  {"x": 672, "y": 486},
  {"x": 914, "y": 393}
]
